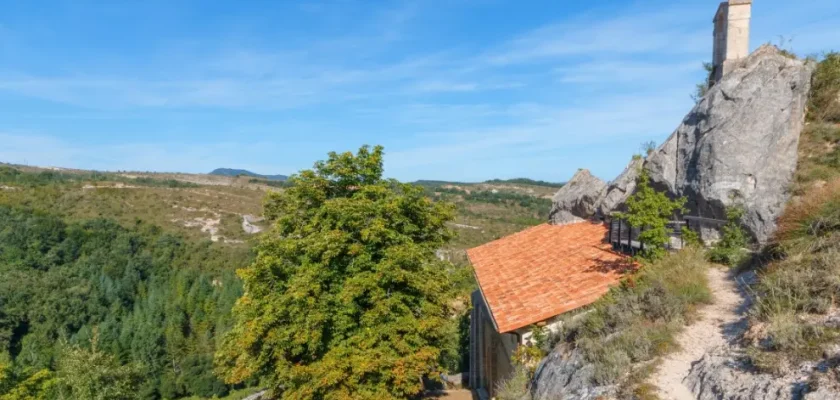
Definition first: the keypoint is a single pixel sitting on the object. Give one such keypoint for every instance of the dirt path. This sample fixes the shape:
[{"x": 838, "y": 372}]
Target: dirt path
[{"x": 718, "y": 324}]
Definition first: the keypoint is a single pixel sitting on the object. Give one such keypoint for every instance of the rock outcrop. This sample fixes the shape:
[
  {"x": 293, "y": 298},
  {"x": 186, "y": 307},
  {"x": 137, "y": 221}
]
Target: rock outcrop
[
  {"x": 719, "y": 375},
  {"x": 722, "y": 374},
  {"x": 564, "y": 374},
  {"x": 621, "y": 188},
  {"x": 739, "y": 143},
  {"x": 577, "y": 199}
]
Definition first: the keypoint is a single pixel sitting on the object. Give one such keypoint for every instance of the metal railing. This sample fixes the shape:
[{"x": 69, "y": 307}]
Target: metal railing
[{"x": 624, "y": 238}]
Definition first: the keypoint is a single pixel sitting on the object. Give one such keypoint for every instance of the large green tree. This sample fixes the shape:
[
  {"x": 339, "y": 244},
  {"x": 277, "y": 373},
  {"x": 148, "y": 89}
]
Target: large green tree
[{"x": 346, "y": 298}]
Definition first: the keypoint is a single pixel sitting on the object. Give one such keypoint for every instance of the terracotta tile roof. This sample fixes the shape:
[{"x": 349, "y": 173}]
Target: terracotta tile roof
[{"x": 545, "y": 271}]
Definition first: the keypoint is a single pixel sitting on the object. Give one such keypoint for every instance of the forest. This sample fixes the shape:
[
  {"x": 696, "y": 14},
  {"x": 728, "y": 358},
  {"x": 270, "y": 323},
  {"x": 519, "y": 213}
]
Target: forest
[
  {"x": 106, "y": 293},
  {"x": 146, "y": 297}
]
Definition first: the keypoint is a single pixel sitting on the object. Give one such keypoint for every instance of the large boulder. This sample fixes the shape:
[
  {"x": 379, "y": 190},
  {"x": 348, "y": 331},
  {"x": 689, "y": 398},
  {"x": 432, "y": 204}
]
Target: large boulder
[
  {"x": 739, "y": 143},
  {"x": 621, "y": 188},
  {"x": 577, "y": 199}
]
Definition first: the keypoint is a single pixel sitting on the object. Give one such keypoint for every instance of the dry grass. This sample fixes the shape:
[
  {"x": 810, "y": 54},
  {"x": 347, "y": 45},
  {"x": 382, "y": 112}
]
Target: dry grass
[
  {"x": 638, "y": 321},
  {"x": 824, "y": 104},
  {"x": 174, "y": 209},
  {"x": 813, "y": 216},
  {"x": 796, "y": 291}
]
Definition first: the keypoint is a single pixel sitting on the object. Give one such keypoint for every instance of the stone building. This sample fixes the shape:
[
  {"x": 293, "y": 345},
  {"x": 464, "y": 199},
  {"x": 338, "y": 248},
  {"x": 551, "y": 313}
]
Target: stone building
[
  {"x": 530, "y": 279},
  {"x": 731, "y": 37}
]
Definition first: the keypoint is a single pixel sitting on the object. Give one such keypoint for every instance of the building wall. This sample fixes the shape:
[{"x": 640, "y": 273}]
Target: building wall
[
  {"x": 731, "y": 36},
  {"x": 490, "y": 351}
]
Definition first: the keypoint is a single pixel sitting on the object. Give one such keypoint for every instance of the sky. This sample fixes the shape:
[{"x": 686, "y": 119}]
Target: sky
[{"x": 464, "y": 90}]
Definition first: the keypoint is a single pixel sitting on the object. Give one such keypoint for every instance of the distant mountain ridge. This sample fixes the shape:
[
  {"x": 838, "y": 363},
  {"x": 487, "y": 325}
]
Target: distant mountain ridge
[{"x": 245, "y": 172}]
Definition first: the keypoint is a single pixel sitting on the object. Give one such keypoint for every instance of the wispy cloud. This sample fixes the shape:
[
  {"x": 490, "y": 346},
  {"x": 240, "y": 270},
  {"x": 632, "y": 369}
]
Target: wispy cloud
[
  {"x": 640, "y": 31},
  {"x": 579, "y": 90}
]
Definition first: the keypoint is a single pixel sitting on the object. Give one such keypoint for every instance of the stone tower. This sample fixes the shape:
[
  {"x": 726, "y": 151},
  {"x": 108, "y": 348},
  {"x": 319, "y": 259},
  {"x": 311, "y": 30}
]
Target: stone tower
[{"x": 732, "y": 36}]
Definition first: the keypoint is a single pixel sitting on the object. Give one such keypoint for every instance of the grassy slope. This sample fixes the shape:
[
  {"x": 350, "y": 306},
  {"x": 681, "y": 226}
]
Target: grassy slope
[
  {"x": 127, "y": 200},
  {"x": 798, "y": 289},
  {"x": 624, "y": 332},
  {"x": 486, "y": 211}
]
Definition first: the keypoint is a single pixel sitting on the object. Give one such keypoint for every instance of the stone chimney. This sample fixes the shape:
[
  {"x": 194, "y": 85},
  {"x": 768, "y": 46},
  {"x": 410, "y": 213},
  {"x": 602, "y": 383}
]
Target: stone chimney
[{"x": 731, "y": 37}]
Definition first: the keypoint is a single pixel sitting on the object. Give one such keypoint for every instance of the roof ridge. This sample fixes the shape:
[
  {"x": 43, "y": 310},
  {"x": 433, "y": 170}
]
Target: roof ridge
[{"x": 528, "y": 229}]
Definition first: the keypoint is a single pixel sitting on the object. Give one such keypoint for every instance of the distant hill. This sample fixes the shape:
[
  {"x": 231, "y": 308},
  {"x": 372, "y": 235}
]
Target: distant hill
[
  {"x": 526, "y": 181},
  {"x": 238, "y": 172},
  {"x": 515, "y": 181}
]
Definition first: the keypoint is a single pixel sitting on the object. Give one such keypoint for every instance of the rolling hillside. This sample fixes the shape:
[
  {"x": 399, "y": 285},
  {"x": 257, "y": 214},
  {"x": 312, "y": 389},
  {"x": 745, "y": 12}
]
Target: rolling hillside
[{"x": 244, "y": 172}]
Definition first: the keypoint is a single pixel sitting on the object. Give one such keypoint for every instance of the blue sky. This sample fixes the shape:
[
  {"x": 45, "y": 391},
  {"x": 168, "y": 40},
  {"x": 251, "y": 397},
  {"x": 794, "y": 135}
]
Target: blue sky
[{"x": 455, "y": 90}]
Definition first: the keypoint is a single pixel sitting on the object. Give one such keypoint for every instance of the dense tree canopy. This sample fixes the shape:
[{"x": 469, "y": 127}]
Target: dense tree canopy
[
  {"x": 157, "y": 302},
  {"x": 346, "y": 298}
]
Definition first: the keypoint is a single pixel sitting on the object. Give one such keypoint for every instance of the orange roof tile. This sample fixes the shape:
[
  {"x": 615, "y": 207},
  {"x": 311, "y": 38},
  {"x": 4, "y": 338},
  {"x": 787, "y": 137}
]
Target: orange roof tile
[{"x": 545, "y": 271}]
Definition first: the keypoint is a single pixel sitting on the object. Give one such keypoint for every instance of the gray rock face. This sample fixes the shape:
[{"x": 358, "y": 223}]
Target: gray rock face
[
  {"x": 739, "y": 143},
  {"x": 621, "y": 188},
  {"x": 566, "y": 375},
  {"x": 577, "y": 199},
  {"x": 718, "y": 375},
  {"x": 721, "y": 374}
]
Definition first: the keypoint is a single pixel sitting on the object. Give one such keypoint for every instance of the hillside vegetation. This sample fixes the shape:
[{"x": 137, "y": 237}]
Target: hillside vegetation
[
  {"x": 139, "y": 294},
  {"x": 819, "y": 146},
  {"x": 796, "y": 305},
  {"x": 133, "y": 274}
]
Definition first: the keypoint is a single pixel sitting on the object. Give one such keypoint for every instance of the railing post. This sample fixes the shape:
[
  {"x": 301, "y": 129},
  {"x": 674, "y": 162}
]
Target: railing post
[{"x": 619, "y": 236}]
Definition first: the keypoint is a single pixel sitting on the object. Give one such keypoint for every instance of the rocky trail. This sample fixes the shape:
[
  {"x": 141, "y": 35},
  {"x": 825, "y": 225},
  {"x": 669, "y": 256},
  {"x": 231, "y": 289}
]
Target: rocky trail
[{"x": 719, "y": 324}]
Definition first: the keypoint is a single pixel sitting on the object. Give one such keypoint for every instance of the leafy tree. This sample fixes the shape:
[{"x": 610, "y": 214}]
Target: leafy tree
[
  {"x": 96, "y": 375},
  {"x": 38, "y": 386},
  {"x": 651, "y": 211},
  {"x": 346, "y": 299}
]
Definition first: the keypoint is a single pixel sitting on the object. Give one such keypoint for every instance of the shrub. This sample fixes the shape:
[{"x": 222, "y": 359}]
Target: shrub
[
  {"x": 730, "y": 249},
  {"x": 824, "y": 102},
  {"x": 516, "y": 387},
  {"x": 702, "y": 88},
  {"x": 690, "y": 237},
  {"x": 651, "y": 211}
]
